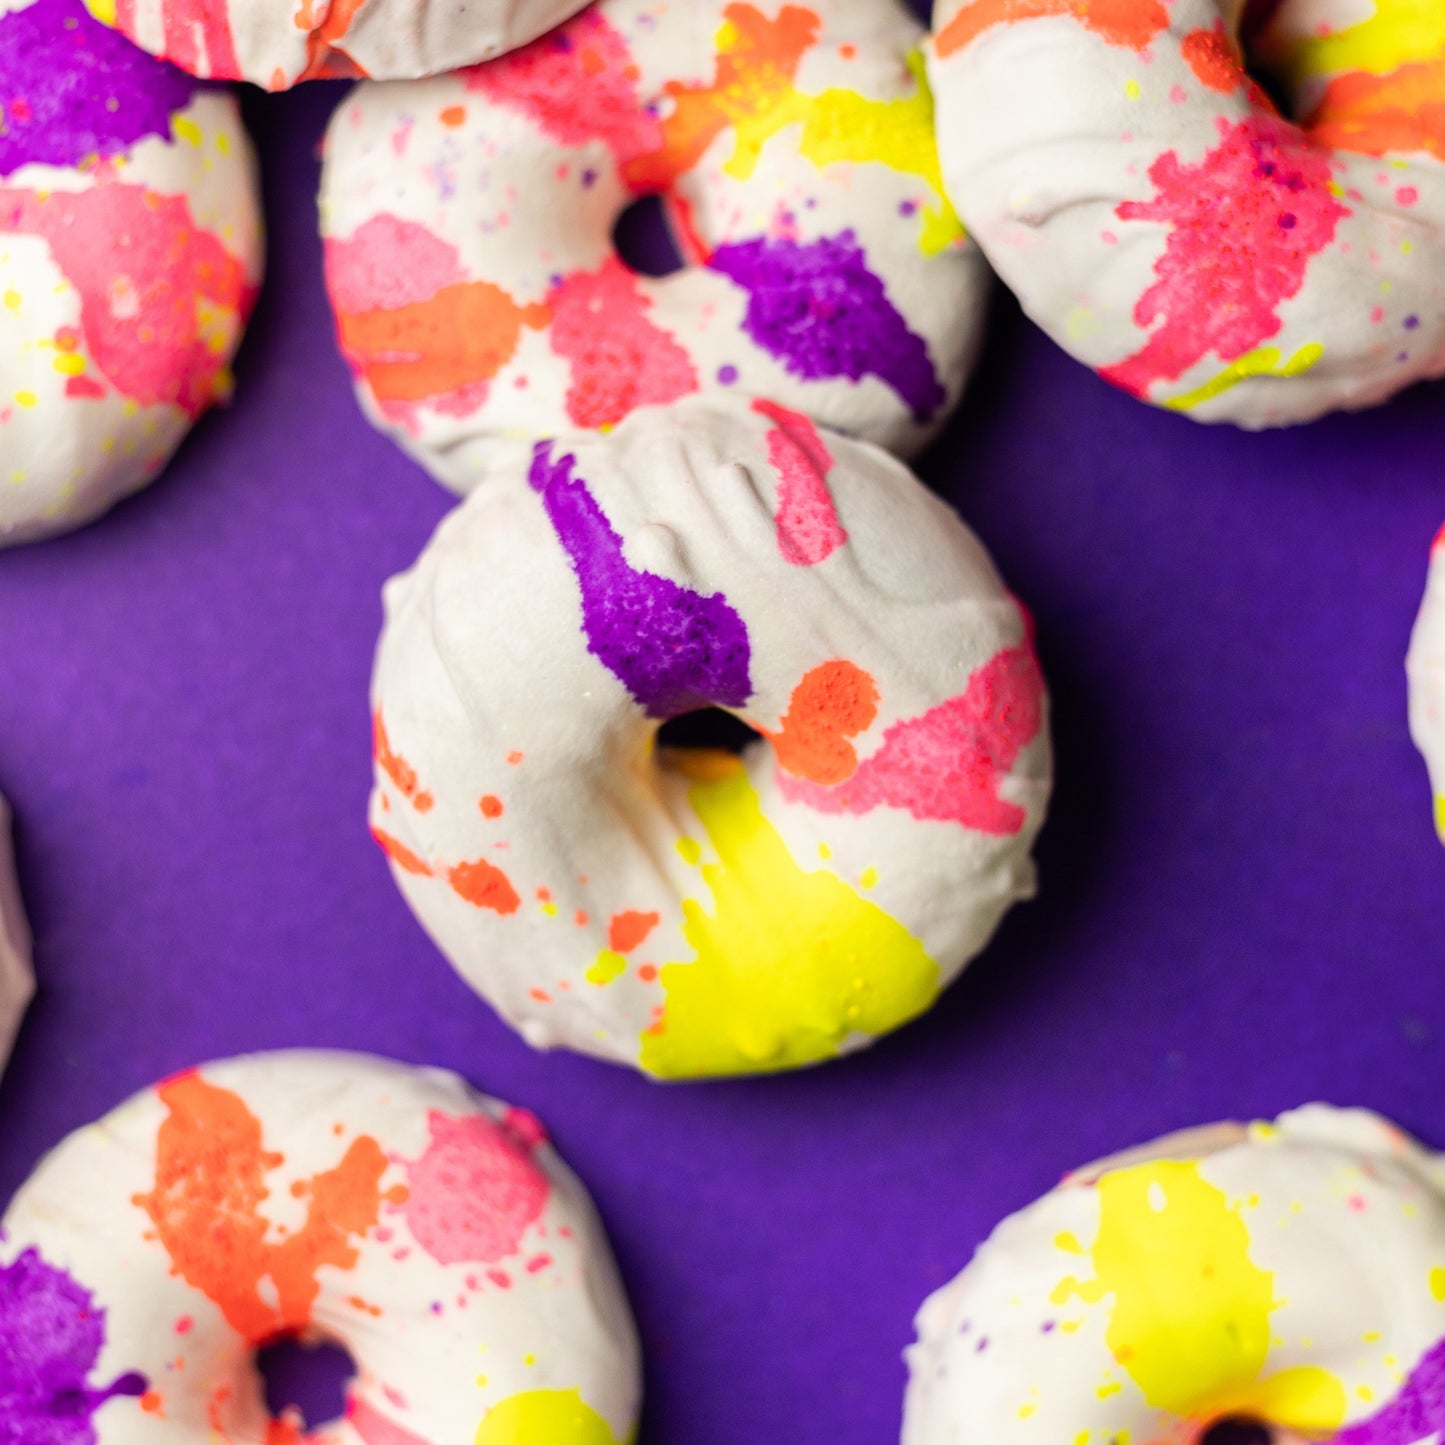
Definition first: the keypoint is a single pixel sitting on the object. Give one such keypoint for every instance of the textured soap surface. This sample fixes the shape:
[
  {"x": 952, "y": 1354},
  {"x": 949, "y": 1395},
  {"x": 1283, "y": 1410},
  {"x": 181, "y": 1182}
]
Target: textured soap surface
[{"x": 1240, "y": 884}]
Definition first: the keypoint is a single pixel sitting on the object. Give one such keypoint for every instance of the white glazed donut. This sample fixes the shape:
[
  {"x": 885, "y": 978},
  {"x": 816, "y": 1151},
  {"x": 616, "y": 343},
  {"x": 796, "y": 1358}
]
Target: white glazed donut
[
  {"x": 130, "y": 256},
  {"x": 17, "y": 977},
  {"x": 693, "y": 913},
  {"x": 275, "y": 43},
  {"x": 480, "y": 299},
  {"x": 1160, "y": 220},
  {"x": 1425, "y": 667},
  {"x": 1288, "y": 1274},
  {"x": 431, "y": 1232}
]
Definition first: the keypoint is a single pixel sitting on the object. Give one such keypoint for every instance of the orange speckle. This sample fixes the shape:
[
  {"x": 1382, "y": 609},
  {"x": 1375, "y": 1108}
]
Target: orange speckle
[
  {"x": 540, "y": 994},
  {"x": 1212, "y": 59},
  {"x": 150, "y": 1402},
  {"x": 484, "y": 885},
  {"x": 848, "y": 52},
  {"x": 544, "y": 895},
  {"x": 491, "y": 806},
  {"x": 515, "y": 757},
  {"x": 836, "y": 701},
  {"x": 453, "y": 115},
  {"x": 401, "y": 855},
  {"x": 396, "y": 767},
  {"x": 1131, "y": 24},
  {"x": 581, "y": 918},
  {"x": 357, "y": 1303},
  {"x": 647, "y": 972},
  {"x": 423, "y": 802},
  {"x": 628, "y": 930}
]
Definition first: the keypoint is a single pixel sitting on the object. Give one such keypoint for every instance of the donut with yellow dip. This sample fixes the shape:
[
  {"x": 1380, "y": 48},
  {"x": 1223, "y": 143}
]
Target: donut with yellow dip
[
  {"x": 431, "y": 1232},
  {"x": 696, "y": 913},
  {"x": 1287, "y": 1279},
  {"x": 1164, "y": 223},
  {"x": 480, "y": 296}
]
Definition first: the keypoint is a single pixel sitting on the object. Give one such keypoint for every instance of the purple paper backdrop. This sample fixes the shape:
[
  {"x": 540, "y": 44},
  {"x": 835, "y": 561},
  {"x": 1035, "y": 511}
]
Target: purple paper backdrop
[{"x": 1240, "y": 907}]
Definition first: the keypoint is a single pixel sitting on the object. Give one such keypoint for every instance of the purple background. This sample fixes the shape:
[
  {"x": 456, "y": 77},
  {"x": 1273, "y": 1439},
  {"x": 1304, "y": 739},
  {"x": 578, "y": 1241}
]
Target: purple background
[{"x": 1240, "y": 904}]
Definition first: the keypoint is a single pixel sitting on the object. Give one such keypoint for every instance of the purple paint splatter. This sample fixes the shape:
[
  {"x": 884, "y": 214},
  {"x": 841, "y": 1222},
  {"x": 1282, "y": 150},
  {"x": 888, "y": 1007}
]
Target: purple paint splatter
[
  {"x": 51, "y": 1334},
  {"x": 820, "y": 310},
  {"x": 71, "y": 88},
  {"x": 1416, "y": 1414},
  {"x": 674, "y": 650}
]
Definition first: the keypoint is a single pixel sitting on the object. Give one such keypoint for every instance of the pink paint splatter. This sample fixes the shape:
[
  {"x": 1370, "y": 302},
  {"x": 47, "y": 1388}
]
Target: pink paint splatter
[
  {"x": 145, "y": 273},
  {"x": 197, "y": 35},
  {"x": 374, "y": 1428},
  {"x": 578, "y": 83},
  {"x": 1245, "y": 222},
  {"x": 948, "y": 763},
  {"x": 620, "y": 360},
  {"x": 807, "y": 521},
  {"x": 475, "y": 1192},
  {"x": 388, "y": 262}
]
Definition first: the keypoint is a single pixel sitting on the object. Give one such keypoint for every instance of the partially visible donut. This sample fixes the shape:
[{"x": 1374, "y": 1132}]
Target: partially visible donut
[
  {"x": 693, "y": 913},
  {"x": 1162, "y": 222},
  {"x": 1289, "y": 1276},
  {"x": 276, "y": 43},
  {"x": 1425, "y": 668},
  {"x": 480, "y": 298},
  {"x": 17, "y": 977},
  {"x": 431, "y": 1232},
  {"x": 130, "y": 256}
]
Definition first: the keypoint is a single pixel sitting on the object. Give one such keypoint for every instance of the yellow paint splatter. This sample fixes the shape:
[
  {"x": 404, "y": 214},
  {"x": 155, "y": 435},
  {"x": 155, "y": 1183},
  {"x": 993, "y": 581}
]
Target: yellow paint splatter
[
  {"x": 1189, "y": 1310},
  {"x": 1264, "y": 362},
  {"x": 186, "y": 129},
  {"x": 1400, "y": 32},
  {"x": 545, "y": 1417},
  {"x": 1437, "y": 1283},
  {"x": 608, "y": 967},
  {"x": 788, "y": 964}
]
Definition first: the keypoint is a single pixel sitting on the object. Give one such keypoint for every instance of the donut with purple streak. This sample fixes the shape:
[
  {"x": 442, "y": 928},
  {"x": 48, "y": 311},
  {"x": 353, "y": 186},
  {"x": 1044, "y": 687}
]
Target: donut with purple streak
[{"x": 480, "y": 297}]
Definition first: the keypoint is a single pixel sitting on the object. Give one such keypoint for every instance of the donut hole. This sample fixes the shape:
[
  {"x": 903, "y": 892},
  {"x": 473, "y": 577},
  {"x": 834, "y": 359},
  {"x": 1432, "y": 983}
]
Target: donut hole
[
  {"x": 644, "y": 240},
  {"x": 311, "y": 1379},
  {"x": 708, "y": 730},
  {"x": 1238, "y": 1430}
]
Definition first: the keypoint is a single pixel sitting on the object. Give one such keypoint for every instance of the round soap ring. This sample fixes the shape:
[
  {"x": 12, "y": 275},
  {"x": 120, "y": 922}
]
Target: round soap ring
[
  {"x": 1159, "y": 219},
  {"x": 276, "y": 46},
  {"x": 430, "y": 1231},
  {"x": 1284, "y": 1275},
  {"x": 695, "y": 913},
  {"x": 1425, "y": 669},
  {"x": 130, "y": 258},
  {"x": 482, "y": 304}
]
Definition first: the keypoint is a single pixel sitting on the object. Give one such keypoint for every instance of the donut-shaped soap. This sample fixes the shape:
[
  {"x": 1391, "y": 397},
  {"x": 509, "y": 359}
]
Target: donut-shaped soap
[
  {"x": 276, "y": 44},
  {"x": 431, "y": 1232},
  {"x": 1288, "y": 1275},
  {"x": 130, "y": 256},
  {"x": 692, "y": 912},
  {"x": 1425, "y": 669},
  {"x": 482, "y": 304},
  {"x": 1166, "y": 225},
  {"x": 17, "y": 979}
]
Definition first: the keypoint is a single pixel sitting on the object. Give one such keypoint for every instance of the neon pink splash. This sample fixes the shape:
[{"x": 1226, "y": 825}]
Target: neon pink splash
[
  {"x": 197, "y": 35},
  {"x": 620, "y": 360},
  {"x": 475, "y": 1191},
  {"x": 578, "y": 84},
  {"x": 374, "y": 1428},
  {"x": 143, "y": 269},
  {"x": 388, "y": 262},
  {"x": 947, "y": 764},
  {"x": 1245, "y": 222},
  {"x": 808, "y": 526}
]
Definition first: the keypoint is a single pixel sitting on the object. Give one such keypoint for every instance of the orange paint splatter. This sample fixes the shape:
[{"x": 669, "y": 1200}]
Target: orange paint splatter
[
  {"x": 1212, "y": 59},
  {"x": 629, "y": 929},
  {"x": 453, "y": 115},
  {"x": 151, "y": 1402},
  {"x": 401, "y": 855},
  {"x": 396, "y": 767},
  {"x": 1376, "y": 114},
  {"x": 1127, "y": 23},
  {"x": 484, "y": 885},
  {"x": 210, "y": 1183},
  {"x": 491, "y": 806},
  {"x": 284, "y": 1431},
  {"x": 756, "y": 68},
  {"x": 324, "y": 59},
  {"x": 514, "y": 758},
  {"x": 834, "y": 702}
]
